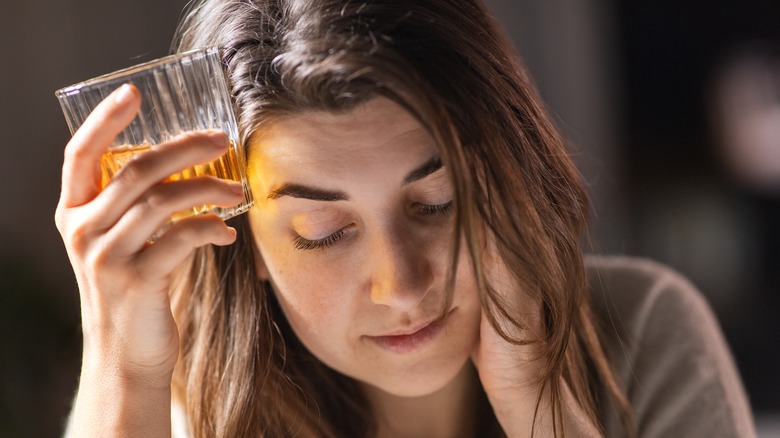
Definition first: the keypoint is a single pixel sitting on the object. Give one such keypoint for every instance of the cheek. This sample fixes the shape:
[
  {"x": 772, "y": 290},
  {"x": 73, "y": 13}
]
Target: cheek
[
  {"x": 314, "y": 299},
  {"x": 309, "y": 300},
  {"x": 316, "y": 310}
]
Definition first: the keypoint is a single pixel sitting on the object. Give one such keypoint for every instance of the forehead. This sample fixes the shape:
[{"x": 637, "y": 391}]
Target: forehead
[
  {"x": 371, "y": 126},
  {"x": 378, "y": 131}
]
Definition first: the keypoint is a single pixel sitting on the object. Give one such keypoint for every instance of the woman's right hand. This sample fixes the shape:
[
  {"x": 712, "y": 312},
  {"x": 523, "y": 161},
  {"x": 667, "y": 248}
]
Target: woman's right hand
[{"x": 130, "y": 338}]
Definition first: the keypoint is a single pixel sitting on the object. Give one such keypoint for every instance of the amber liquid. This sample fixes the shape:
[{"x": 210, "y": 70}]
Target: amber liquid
[{"x": 224, "y": 167}]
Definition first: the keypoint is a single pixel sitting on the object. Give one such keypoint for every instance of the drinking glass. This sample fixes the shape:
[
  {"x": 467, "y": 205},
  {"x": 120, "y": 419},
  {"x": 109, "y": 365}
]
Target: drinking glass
[{"x": 179, "y": 93}]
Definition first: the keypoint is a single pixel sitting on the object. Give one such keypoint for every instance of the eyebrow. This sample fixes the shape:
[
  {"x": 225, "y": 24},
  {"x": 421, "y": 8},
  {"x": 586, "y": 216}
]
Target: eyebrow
[
  {"x": 306, "y": 192},
  {"x": 426, "y": 169},
  {"x": 317, "y": 194}
]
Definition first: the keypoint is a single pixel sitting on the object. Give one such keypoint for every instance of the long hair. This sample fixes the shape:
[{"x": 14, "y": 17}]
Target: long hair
[{"x": 242, "y": 370}]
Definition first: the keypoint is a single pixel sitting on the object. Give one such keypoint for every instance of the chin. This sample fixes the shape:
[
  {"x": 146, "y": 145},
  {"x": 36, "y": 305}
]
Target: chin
[{"x": 420, "y": 381}]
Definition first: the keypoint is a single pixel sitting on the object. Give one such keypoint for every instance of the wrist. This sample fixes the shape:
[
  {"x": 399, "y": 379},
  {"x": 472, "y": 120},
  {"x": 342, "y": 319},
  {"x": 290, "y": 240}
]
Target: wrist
[
  {"x": 128, "y": 362},
  {"x": 114, "y": 371},
  {"x": 111, "y": 404},
  {"x": 517, "y": 413}
]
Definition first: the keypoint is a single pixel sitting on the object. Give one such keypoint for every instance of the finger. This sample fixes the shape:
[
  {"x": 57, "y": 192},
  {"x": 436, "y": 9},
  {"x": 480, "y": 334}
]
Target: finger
[
  {"x": 81, "y": 166},
  {"x": 162, "y": 257},
  {"x": 144, "y": 172},
  {"x": 155, "y": 208}
]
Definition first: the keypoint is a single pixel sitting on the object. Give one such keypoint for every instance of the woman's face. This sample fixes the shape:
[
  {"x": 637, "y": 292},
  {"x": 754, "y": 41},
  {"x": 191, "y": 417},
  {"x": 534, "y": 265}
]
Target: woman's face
[{"x": 354, "y": 223}]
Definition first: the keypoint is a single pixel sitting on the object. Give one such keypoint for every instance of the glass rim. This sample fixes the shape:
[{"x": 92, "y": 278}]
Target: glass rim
[{"x": 148, "y": 65}]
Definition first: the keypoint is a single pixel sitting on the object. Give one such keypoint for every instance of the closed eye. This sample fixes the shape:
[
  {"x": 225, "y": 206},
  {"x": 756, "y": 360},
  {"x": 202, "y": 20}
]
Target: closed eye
[
  {"x": 302, "y": 243},
  {"x": 433, "y": 209}
]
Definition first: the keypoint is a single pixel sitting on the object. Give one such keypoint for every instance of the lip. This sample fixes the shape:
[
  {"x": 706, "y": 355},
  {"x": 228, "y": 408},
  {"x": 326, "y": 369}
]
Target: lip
[{"x": 405, "y": 341}]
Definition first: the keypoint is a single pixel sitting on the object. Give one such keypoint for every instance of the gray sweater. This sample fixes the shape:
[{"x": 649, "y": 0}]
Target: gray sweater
[{"x": 668, "y": 351}]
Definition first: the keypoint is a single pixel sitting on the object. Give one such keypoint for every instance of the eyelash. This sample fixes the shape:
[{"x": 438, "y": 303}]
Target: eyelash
[
  {"x": 438, "y": 209},
  {"x": 303, "y": 244}
]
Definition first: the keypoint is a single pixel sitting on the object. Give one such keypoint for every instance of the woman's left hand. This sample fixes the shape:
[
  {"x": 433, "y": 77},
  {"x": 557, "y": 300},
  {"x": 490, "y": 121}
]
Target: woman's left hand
[{"x": 510, "y": 373}]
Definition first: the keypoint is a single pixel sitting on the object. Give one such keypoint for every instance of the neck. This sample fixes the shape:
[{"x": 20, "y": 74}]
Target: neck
[{"x": 448, "y": 412}]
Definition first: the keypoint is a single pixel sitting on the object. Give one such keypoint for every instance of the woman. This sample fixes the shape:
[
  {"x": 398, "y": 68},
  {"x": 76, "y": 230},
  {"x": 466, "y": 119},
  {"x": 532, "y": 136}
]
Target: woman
[{"x": 411, "y": 267}]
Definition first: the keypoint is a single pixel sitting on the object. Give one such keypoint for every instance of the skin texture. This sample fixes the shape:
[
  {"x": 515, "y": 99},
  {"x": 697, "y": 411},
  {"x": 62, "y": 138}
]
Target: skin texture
[
  {"x": 382, "y": 268},
  {"x": 382, "y": 272},
  {"x": 130, "y": 338},
  {"x": 387, "y": 272}
]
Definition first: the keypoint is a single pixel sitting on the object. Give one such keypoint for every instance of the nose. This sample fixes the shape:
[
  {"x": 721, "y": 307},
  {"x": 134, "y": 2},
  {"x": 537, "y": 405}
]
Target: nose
[{"x": 402, "y": 273}]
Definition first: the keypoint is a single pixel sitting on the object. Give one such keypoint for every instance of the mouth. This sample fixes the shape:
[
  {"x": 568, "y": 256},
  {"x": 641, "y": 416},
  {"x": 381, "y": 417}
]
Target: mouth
[{"x": 406, "y": 341}]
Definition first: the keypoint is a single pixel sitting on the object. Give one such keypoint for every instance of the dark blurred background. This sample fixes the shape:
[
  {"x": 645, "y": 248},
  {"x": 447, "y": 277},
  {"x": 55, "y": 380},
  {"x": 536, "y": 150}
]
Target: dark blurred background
[{"x": 672, "y": 110}]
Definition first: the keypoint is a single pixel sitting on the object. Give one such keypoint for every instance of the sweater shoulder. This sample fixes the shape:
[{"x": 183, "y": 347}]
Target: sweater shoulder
[{"x": 668, "y": 350}]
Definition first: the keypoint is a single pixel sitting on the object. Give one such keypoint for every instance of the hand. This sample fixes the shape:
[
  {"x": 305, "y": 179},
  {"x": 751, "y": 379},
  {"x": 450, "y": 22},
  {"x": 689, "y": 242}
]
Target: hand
[
  {"x": 510, "y": 373},
  {"x": 129, "y": 331}
]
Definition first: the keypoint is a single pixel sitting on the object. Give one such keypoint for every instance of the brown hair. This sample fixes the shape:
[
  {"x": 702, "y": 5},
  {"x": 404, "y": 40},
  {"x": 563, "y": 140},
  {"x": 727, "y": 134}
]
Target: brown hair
[{"x": 242, "y": 370}]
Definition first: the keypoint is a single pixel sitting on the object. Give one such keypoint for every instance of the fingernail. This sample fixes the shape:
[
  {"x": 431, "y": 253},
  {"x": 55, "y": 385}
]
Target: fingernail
[
  {"x": 124, "y": 94},
  {"x": 219, "y": 139}
]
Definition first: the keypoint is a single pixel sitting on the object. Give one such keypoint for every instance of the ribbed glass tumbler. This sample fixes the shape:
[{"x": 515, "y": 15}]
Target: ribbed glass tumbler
[{"x": 179, "y": 93}]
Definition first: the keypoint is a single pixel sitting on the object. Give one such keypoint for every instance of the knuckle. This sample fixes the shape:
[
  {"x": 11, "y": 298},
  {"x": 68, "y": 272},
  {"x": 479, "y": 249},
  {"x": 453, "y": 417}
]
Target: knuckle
[
  {"x": 127, "y": 175},
  {"x": 135, "y": 171},
  {"x": 74, "y": 151},
  {"x": 60, "y": 219},
  {"x": 155, "y": 198},
  {"x": 78, "y": 227},
  {"x": 197, "y": 231},
  {"x": 193, "y": 231},
  {"x": 97, "y": 259},
  {"x": 76, "y": 235}
]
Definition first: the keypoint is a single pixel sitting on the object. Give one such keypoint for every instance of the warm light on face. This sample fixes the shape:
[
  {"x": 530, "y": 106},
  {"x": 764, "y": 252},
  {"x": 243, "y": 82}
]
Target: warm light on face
[{"x": 354, "y": 222}]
